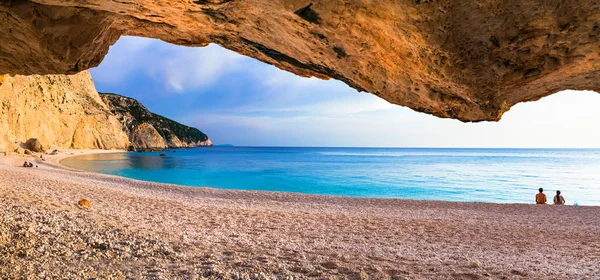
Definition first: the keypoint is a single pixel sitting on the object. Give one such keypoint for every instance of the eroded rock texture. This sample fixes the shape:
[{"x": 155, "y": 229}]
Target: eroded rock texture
[
  {"x": 60, "y": 111},
  {"x": 65, "y": 111},
  {"x": 147, "y": 130},
  {"x": 470, "y": 60}
]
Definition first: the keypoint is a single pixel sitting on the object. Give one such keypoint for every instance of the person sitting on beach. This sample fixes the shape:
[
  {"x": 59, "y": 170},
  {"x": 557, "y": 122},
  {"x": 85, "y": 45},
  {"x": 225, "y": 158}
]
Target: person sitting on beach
[
  {"x": 540, "y": 198},
  {"x": 559, "y": 199},
  {"x": 25, "y": 164}
]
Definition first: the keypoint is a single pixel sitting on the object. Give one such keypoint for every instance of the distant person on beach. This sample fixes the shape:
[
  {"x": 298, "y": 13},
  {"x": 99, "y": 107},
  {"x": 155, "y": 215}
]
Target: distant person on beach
[
  {"x": 559, "y": 199},
  {"x": 540, "y": 198}
]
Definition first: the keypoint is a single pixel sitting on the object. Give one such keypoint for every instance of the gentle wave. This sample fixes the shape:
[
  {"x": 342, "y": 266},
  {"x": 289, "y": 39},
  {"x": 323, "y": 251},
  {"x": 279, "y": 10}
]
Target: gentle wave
[
  {"x": 414, "y": 154},
  {"x": 484, "y": 175}
]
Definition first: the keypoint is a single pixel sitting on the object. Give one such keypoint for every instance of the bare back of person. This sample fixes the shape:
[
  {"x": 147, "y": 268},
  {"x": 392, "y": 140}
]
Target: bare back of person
[
  {"x": 540, "y": 198},
  {"x": 559, "y": 199}
]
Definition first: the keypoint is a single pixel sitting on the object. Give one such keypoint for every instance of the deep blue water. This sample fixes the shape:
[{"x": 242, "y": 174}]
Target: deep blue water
[{"x": 485, "y": 175}]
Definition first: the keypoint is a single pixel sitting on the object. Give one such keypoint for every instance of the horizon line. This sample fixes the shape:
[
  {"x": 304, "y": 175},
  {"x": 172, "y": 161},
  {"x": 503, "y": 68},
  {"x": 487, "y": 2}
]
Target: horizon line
[{"x": 403, "y": 147}]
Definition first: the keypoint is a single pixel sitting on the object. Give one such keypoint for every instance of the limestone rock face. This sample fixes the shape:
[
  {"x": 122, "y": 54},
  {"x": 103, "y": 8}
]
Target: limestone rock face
[
  {"x": 147, "y": 130},
  {"x": 206, "y": 142},
  {"x": 470, "y": 60},
  {"x": 19, "y": 151},
  {"x": 145, "y": 136},
  {"x": 59, "y": 111},
  {"x": 34, "y": 145}
]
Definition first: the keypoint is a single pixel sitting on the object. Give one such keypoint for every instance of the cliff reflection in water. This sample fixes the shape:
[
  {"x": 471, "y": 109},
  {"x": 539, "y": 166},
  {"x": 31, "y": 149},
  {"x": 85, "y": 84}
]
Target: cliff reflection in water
[{"x": 105, "y": 162}]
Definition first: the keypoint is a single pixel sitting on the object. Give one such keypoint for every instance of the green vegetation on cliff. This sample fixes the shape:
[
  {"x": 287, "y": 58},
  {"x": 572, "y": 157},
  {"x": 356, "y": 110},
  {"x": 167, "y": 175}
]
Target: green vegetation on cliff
[{"x": 148, "y": 130}]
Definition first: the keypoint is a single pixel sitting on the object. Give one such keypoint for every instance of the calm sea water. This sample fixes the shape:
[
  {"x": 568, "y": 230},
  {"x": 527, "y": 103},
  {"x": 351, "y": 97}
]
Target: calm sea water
[{"x": 485, "y": 175}]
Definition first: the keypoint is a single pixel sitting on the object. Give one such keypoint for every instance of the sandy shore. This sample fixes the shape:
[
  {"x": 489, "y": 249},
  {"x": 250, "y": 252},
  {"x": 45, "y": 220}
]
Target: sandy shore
[{"x": 137, "y": 229}]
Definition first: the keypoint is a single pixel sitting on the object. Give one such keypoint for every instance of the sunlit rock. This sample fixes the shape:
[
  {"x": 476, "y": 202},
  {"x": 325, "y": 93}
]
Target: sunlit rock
[
  {"x": 469, "y": 60},
  {"x": 60, "y": 111},
  {"x": 147, "y": 130}
]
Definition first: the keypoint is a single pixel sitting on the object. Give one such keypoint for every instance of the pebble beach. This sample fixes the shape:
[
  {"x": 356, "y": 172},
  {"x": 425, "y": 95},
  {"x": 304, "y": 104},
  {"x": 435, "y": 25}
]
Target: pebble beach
[{"x": 143, "y": 230}]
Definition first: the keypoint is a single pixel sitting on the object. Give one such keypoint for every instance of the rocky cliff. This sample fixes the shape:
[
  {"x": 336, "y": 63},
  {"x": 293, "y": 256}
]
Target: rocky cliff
[
  {"x": 61, "y": 111},
  {"x": 470, "y": 60},
  {"x": 66, "y": 111},
  {"x": 147, "y": 130}
]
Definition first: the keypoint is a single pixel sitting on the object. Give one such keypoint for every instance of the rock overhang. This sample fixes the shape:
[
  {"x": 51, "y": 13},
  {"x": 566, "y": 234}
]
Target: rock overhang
[{"x": 468, "y": 60}]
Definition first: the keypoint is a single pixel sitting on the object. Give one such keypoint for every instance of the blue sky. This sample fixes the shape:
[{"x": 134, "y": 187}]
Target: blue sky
[{"x": 241, "y": 101}]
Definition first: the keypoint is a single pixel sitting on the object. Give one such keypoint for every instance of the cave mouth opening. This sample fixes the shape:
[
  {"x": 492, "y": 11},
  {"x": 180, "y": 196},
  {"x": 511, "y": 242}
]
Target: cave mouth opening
[{"x": 213, "y": 88}]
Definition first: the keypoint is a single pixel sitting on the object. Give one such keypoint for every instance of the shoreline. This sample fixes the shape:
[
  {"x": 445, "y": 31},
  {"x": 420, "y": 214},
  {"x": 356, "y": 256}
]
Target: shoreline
[
  {"x": 90, "y": 152},
  {"x": 143, "y": 229},
  {"x": 56, "y": 163}
]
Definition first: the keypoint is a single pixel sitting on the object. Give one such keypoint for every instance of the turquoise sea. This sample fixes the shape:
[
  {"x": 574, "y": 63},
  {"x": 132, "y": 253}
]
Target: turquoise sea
[{"x": 484, "y": 175}]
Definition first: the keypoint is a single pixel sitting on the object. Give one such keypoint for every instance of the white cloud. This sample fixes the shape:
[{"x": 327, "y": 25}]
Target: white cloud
[
  {"x": 336, "y": 107},
  {"x": 186, "y": 69},
  {"x": 363, "y": 103},
  {"x": 179, "y": 68},
  {"x": 567, "y": 119},
  {"x": 273, "y": 77},
  {"x": 123, "y": 58},
  {"x": 284, "y": 109}
]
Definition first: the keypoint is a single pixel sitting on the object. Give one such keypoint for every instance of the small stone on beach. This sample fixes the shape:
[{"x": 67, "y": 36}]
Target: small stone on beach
[{"x": 84, "y": 203}]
